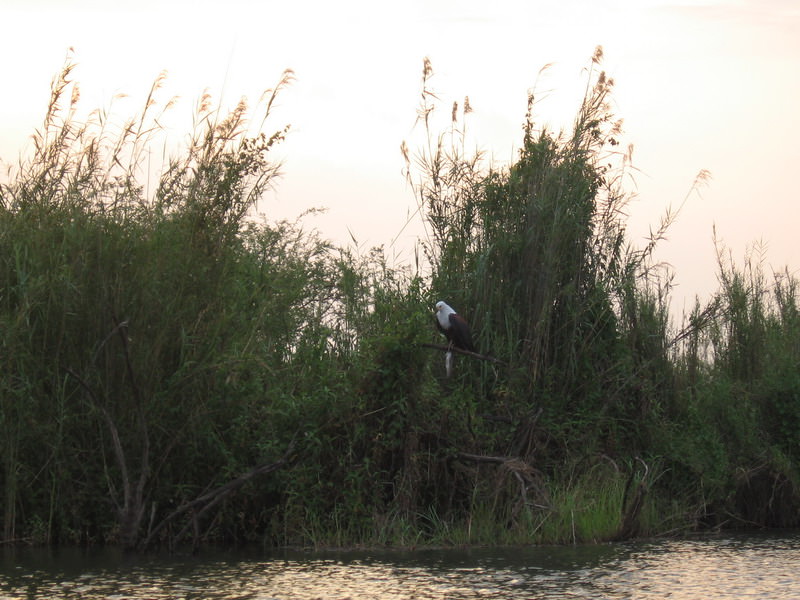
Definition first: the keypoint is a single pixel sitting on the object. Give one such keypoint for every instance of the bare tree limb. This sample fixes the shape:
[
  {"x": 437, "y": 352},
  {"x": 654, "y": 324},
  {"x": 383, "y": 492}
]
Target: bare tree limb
[
  {"x": 132, "y": 506},
  {"x": 119, "y": 453},
  {"x": 632, "y": 503},
  {"x": 135, "y": 510},
  {"x": 484, "y": 459},
  {"x": 521, "y": 470},
  {"x": 208, "y": 500}
]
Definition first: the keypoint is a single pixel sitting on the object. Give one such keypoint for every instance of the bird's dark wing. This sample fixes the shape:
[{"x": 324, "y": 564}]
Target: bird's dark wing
[{"x": 460, "y": 333}]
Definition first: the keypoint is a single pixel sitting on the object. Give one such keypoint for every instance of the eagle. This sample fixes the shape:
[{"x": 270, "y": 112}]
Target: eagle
[{"x": 455, "y": 329}]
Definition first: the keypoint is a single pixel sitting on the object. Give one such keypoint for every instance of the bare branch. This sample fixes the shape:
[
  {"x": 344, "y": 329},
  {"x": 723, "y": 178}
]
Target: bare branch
[{"x": 210, "y": 499}]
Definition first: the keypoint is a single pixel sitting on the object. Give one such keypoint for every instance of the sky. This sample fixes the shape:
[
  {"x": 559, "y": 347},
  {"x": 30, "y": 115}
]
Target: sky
[{"x": 700, "y": 84}]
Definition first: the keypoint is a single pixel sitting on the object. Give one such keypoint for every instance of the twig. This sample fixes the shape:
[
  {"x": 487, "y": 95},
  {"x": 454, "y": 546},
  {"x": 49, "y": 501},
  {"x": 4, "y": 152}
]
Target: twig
[
  {"x": 119, "y": 453},
  {"x": 210, "y": 499},
  {"x": 485, "y": 459}
]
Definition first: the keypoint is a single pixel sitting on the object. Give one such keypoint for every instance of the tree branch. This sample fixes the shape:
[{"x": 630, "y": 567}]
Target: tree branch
[
  {"x": 119, "y": 453},
  {"x": 210, "y": 499},
  {"x": 445, "y": 348},
  {"x": 484, "y": 459}
]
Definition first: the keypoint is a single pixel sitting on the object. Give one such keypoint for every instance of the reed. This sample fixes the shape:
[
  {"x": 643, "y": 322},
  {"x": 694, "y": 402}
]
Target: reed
[
  {"x": 143, "y": 328},
  {"x": 176, "y": 367}
]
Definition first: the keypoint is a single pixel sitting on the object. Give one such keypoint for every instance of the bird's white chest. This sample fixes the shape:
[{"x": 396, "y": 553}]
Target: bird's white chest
[{"x": 444, "y": 319}]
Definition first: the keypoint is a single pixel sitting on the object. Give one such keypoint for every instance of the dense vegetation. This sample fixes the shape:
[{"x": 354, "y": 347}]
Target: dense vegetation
[{"x": 175, "y": 369}]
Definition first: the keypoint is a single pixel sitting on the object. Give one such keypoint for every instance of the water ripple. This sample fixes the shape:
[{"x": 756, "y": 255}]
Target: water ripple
[{"x": 725, "y": 569}]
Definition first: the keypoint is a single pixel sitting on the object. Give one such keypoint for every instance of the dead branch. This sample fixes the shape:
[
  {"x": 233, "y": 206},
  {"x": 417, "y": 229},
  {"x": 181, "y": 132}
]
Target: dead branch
[
  {"x": 133, "y": 498},
  {"x": 135, "y": 511},
  {"x": 632, "y": 502},
  {"x": 205, "y": 502},
  {"x": 484, "y": 459},
  {"x": 523, "y": 472},
  {"x": 119, "y": 453}
]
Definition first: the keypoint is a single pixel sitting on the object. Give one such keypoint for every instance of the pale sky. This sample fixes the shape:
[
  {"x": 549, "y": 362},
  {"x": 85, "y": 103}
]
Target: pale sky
[{"x": 711, "y": 84}]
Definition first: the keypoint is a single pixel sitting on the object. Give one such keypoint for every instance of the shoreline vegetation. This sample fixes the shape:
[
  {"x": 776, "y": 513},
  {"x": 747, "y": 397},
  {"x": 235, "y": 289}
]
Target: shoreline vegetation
[{"x": 177, "y": 371}]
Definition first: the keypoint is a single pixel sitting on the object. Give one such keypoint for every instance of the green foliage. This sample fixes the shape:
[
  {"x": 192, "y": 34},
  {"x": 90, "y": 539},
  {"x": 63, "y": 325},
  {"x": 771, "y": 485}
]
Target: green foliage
[
  {"x": 537, "y": 251},
  {"x": 581, "y": 319},
  {"x": 162, "y": 347},
  {"x": 147, "y": 333}
]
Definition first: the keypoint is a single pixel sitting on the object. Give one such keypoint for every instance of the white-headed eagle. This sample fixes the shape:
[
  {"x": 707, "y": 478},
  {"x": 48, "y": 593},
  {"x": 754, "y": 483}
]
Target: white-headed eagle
[{"x": 455, "y": 328}]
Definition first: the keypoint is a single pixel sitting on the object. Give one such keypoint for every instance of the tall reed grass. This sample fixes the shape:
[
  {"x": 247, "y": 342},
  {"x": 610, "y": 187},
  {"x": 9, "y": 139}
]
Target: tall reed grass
[
  {"x": 538, "y": 251},
  {"x": 175, "y": 367}
]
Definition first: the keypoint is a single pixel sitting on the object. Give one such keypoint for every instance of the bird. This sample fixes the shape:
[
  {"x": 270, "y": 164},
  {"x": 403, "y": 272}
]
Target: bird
[{"x": 454, "y": 327}]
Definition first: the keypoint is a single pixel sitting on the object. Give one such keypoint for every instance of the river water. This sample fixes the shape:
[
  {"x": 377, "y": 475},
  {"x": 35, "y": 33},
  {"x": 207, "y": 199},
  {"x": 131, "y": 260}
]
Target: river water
[{"x": 765, "y": 566}]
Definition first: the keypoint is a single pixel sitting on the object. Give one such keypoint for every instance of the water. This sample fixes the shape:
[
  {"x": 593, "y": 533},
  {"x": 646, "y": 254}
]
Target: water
[{"x": 725, "y": 567}]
